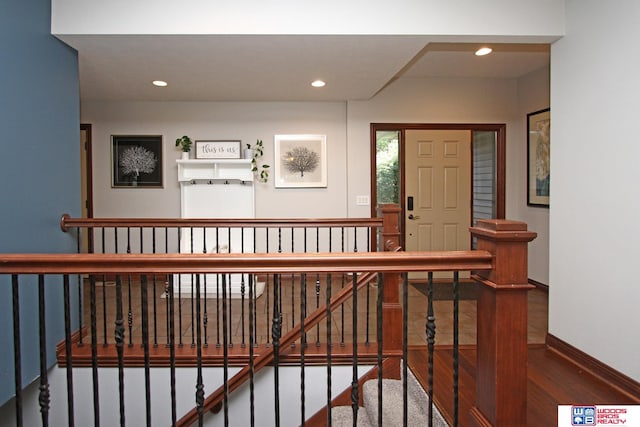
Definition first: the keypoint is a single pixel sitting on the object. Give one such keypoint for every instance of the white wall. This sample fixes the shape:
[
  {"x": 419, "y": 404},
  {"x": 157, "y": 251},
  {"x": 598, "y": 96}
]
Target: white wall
[
  {"x": 533, "y": 95},
  {"x": 202, "y": 120},
  {"x": 593, "y": 224}
]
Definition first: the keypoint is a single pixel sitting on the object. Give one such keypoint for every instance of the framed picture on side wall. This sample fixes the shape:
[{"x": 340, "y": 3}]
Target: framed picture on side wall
[
  {"x": 538, "y": 157},
  {"x": 136, "y": 161}
]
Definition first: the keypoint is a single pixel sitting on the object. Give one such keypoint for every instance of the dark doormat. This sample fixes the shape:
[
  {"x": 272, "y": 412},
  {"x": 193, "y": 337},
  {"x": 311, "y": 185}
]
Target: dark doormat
[{"x": 443, "y": 291}]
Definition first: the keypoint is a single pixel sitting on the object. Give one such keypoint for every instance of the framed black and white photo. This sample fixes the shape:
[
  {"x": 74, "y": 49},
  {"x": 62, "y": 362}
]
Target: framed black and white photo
[
  {"x": 136, "y": 161},
  {"x": 538, "y": 158},
  {"x": 217, "y": 149},
  {"x": 300, "y": 161}
]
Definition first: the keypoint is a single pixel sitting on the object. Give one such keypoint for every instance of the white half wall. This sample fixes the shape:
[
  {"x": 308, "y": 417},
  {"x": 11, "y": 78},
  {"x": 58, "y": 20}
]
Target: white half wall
[{"x": 593, "y": 299}]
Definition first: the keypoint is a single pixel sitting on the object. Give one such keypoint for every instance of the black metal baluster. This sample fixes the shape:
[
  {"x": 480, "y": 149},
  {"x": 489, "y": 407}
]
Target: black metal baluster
[
  {"x": 225, "y": 353},
  {"x": 229, "y": 295},
  {"x": 218, "y": 284},
  {"x": 293, "y": 309},
  {"x": 242, "y": 292},
  {"x": 168, "y": 283},
  {"x": 342, "y": 283},
  {"x": 129, "y": 294},
  {"x": 205, "y": 320},
  {"x": 275, "y": 335},
  {"x": 43, "y": 397},
  {"x": 104, "y": 298},
  {"x": 354, "y": 360},
  {"x": 17, "y": 356},
  {"x": 130, "y": 311},
  {"x": 251, "y": 345},
  {"x": 379, "y": 335},
  {"x": 155, "y": 295},
  {"x": 368, "y": 316},
  {"x": 431, "y": 340},
  {"x": 194, "y": 278},
  {"x": 405, "y": 342},
  {"x": 172, "y": 351},
  {"x": 293, "y": 290},
  {"x": 180, "y": 344},
  {"x": 199, "y": 381},
  {"x": 456, "y": 329},
  {"x": 329, "y": 344},
  {"x": 119, "y": 338},
  {"x": 94, "y": 350},
  {"x": 144, "y": 296},
  {"x": 355, "y": 239},
  {"x": 269, "y": 327},
  {"x": 317, "y": 287},
  {"x": 303, "y": 298},
  {"x": 68, "y": 349},
  {"x": 254, "y": 313}
]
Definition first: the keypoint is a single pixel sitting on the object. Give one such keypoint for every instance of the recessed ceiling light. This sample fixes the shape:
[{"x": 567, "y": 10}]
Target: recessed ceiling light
[
  {"x": 318, "y": 83},
  {"x": 159, "y": 83},
  {"x": 483, "y": 51}
]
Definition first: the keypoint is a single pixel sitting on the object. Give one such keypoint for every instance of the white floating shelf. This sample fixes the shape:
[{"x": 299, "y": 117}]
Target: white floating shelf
[{"x": 209, "y": 169}]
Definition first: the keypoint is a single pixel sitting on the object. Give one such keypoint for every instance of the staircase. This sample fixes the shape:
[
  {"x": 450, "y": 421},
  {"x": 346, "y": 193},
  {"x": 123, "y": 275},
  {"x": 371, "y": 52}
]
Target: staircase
[{"x": 392, "y": 408}]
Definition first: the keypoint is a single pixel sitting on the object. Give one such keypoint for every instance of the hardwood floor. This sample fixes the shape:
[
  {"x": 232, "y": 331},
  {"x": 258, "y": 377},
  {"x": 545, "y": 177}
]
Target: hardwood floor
[{"x": 553, "y": 380}]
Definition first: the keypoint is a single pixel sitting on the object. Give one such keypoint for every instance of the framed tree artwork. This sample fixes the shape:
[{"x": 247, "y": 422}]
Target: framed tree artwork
[
  {"x": 300, "y": 161},
  {"x": 538, "y": 158},
  {"x": 136, "y": 161}
]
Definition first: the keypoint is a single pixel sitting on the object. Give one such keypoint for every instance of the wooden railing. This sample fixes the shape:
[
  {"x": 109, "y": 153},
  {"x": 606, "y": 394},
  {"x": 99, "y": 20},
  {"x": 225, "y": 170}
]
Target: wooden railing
[{"x": 499, "y": 265}]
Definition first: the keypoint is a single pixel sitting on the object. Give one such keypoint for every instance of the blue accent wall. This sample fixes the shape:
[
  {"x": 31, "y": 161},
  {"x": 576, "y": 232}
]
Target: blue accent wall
[{"x": 39, "y": 169}]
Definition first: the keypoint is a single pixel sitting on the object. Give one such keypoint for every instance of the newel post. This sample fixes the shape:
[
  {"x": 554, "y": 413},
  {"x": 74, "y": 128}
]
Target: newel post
[
  {"x": 501, "y": 376},
  {"x": 391, "y": 307}
]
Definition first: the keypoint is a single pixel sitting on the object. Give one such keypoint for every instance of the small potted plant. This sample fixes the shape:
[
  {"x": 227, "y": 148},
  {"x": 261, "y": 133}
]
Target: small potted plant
[
  {"x": 184, "y": 143},
  {"x": 255, "y": 152}
]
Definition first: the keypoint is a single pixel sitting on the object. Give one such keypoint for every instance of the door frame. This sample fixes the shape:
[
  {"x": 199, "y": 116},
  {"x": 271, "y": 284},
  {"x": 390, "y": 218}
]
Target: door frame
[{"x": 498, "y": 128}]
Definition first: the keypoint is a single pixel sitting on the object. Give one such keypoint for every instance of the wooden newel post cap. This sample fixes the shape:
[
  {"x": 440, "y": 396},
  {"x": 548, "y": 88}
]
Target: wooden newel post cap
[
  {"x": 507, "y": 240},
  {"x": 502, "y": 229}
]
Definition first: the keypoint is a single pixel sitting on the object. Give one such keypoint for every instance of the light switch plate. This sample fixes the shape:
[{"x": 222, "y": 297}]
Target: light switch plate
[{"x": 362, "y": 200}]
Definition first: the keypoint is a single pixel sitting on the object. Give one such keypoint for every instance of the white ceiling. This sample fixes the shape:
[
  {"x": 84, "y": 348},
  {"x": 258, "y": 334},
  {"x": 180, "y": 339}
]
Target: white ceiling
[{"x": 280, "y": 68}]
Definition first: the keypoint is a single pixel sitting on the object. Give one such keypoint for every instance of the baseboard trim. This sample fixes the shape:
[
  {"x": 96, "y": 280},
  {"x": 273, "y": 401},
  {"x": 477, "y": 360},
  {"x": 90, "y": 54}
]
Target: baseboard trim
[
  {"x": 539, "y": 285},
  {"x": 610, "y": 376}
]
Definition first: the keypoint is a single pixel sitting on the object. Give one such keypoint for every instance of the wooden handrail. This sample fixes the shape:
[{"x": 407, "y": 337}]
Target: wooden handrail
[
  {"x": 241, "y": 263},
  {"x": 67, "y": 222}
]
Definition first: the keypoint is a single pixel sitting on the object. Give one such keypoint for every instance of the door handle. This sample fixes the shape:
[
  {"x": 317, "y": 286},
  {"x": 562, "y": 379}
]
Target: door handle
[{"x": 412, "y": 216}]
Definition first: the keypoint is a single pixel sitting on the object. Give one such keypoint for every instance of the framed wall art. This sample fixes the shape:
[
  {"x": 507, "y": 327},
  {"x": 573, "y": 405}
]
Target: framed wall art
[
  {"x": 136, "y": 161},
  {"x": 538, "y": 158},
  {"x": 217, "y": 149},
  {"x": 300, "y": 161}
]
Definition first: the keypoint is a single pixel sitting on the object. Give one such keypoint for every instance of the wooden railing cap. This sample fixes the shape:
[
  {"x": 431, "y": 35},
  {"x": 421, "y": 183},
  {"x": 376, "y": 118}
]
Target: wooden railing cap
[{"x": 501, "y": 225}]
